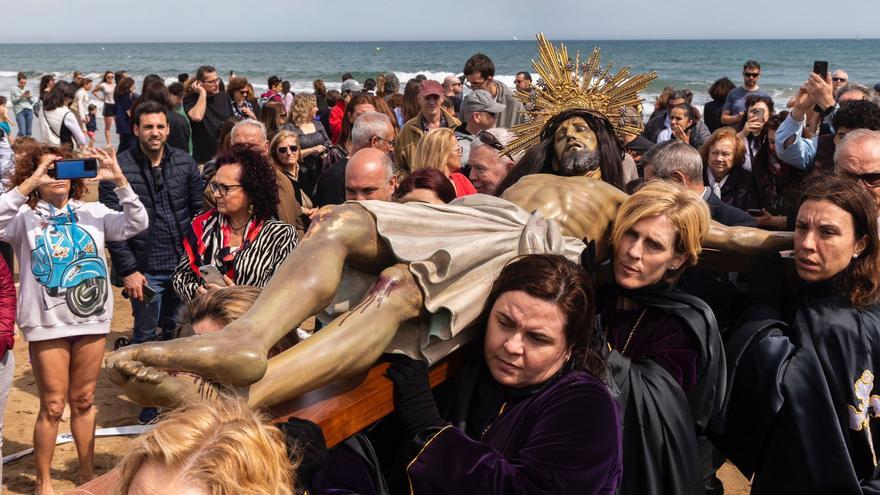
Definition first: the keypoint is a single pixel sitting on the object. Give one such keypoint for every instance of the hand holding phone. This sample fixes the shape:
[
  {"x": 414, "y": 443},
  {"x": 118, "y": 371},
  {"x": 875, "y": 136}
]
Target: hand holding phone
[
  {"x": 211, "y": 275},
  {"x": 74, "y": 168},
  {"x": 820, "y": 68}
]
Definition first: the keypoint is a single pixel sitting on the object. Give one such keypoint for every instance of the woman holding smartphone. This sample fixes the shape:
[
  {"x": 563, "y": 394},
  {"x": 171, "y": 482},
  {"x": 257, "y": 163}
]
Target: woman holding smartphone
[
  {"x": 64, "y": 310},
  {"x": 240, "y": 238}
]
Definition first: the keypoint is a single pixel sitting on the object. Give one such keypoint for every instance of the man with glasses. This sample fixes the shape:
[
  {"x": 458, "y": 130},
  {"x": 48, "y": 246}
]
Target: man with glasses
[
  {"x": 452, "y": 92},
  {"x": 479, "y": 71},
  {"x": 168, "y": 183},
  {"x": 207, "y": 108},
  {"x": 735, "y": 104},
  {"x": 370, "y": 130},
  {"x": 479, "y": 111},
  {"x": 858, "y": 156},
  {"x": 838, "y": 79}
]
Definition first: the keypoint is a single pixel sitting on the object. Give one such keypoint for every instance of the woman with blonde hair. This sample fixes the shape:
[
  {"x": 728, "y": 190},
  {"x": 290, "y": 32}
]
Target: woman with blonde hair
[
  {"x": 439, "y": 150},
  {"x": 664, "y": 347},
  {"x": 218, "y": 447},
  {"x": 285, "y": 152},
  {"x": 312, "y": 138}
]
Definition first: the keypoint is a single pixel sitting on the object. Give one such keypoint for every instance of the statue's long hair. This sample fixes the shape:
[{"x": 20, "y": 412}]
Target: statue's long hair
[{"x": 539, "y": 158}]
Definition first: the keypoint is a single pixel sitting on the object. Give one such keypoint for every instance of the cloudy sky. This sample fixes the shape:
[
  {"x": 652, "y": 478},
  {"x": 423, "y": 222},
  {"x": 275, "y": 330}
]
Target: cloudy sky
[{"x": 348, "y": 20}]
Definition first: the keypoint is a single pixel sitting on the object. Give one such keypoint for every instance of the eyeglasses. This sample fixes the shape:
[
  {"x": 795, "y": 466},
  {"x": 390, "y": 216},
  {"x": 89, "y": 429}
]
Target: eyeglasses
[
  {"x": 751, "y": 74},
  {"x": 212, "y": 81},
  {"x": 475, "y": 84},
  {"x": 839, "y": 79},
  {"x": 285, "y": 149},
  {"x": 870, "y": 179},
  {"x": 389, "y": 141},
  {"x": 223, "y": 189}
]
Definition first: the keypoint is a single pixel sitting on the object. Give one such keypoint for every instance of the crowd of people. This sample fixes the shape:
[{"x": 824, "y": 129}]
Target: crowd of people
[{"x": 620, "y": 366}]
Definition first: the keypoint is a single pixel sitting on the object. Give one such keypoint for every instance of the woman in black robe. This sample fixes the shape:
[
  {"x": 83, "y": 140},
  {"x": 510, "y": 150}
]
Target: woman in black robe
[
  {"x": 801, "y": 409},
  {"x": 664, "y": 348}
]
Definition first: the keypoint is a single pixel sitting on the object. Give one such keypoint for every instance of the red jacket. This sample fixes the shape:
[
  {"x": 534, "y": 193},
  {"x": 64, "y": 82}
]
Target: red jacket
[
  {"x": 7, "y": 310},
  {"x": 336, "y": 115}
]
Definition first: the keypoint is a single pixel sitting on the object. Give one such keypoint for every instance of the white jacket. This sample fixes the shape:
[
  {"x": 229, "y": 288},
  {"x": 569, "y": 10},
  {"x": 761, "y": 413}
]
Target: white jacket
[{"x": 65, "y": 289}]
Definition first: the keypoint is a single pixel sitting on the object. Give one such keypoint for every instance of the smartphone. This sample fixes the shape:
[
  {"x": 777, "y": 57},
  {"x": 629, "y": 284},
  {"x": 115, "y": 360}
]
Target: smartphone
[
  {"x": 211, "y": 275},
  {"x": 149, "y": 293},
  {"x": 757, "y": 112},
  {"x": 755, "y": 213},
  {"x": 75, "y": 168},
  {"x": 820, "y": 67}
]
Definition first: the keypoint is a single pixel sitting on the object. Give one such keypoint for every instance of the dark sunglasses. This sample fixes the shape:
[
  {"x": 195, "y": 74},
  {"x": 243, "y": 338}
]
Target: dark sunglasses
[
  {"x": 490, "y": 139},
  {"x": 838, "y": 79},
  {"x": 284, "y": 149},
  {"x": 871, "y": 179},
  {"x": 243, "y": 92},
  {"x": 751, "y": 74},
  {"x": 158, "y": 179}
]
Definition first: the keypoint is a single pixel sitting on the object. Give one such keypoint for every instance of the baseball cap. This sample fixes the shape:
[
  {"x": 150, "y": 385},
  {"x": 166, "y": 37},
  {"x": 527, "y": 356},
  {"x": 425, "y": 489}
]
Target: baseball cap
[
  {"x": 431, "y": 87},
  {"x": 350, "y": 85},
  {"x": 481, "y": 101}
]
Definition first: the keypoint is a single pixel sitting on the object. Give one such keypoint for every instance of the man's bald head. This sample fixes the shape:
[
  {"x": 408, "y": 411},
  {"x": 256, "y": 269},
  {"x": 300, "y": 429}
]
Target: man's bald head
[
  {"x": 369, "y": 175},
  {"x": 858, "y": 156}
]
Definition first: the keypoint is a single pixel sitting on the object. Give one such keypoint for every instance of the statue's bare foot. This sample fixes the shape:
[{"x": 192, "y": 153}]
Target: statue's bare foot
[
  {"x": 150, "y": 387},
  {"x": 225, "y": 357}
]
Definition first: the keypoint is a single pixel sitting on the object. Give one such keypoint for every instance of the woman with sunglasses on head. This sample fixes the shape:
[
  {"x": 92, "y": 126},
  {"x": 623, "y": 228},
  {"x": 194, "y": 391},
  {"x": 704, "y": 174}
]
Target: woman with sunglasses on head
[
  {"x": 801, "y": 407},
  {"x": 239, "y": 236}
]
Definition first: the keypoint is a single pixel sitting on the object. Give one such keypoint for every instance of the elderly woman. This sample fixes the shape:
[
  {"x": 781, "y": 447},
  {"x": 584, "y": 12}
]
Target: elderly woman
[
  {"x": 802, "y": 391},
  {"x": 239, "y": 236},
  {"x": 664, "y": 346},
  {"x": 312, "y": 137},
  {"x": 63, "y": 310},
  {"x": 723, "y": 156},
  {"x": 285, "y": 154},
  {"x": 528, "y": 413},
  {"x": 439, "y": 150},
  {"x": 209, "y": 447}
]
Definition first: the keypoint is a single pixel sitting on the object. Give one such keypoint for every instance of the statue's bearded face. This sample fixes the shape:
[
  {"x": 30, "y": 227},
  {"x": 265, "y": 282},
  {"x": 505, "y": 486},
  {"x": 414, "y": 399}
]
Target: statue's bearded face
[{"x": 575, "y": 147}]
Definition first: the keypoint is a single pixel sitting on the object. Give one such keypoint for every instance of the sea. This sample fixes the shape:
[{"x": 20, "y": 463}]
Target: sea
[{"x": 683, "y": 64}]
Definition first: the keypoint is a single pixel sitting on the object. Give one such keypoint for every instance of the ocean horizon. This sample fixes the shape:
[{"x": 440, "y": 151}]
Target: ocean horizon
[{"x": 682, "y": 64}]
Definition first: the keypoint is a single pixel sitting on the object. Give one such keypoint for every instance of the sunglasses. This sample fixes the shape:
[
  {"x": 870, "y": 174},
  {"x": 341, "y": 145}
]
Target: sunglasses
[
  {"x": 243, "y": 92},
  {"x": 839, "y": 79},
  {"x": 751, "y": 74},
  {"x": 490, "y": 139},
  {"x": 284, "y": 149},
  {"x": 870, "y": 179}
]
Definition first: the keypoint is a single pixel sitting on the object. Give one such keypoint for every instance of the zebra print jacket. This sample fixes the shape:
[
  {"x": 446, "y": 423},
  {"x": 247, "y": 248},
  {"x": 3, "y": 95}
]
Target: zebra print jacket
[{"x": 265, "y": 246}]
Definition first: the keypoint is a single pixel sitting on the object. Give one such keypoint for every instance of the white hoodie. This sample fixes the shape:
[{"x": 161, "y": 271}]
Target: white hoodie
[{"x": 65, "y": 289}]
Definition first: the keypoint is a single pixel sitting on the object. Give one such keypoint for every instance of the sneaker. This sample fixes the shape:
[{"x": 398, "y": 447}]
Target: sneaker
[
  {"x": 120, "y": 342},
  {"x": 148, "y": 415}
]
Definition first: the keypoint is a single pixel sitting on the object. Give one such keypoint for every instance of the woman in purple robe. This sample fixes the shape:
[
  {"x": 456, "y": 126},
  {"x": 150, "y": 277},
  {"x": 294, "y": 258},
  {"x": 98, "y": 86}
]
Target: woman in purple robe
[{"x": 530, "y": 414}]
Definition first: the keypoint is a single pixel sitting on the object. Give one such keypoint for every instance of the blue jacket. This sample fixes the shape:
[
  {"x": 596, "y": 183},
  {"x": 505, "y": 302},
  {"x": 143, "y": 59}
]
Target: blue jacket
[{"x": 185, "y": 185}]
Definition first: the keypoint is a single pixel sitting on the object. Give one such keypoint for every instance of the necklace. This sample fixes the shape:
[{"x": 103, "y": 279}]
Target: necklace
[
  {"x": 632, "y": 331},
  {"x": 238, "y": 229}
]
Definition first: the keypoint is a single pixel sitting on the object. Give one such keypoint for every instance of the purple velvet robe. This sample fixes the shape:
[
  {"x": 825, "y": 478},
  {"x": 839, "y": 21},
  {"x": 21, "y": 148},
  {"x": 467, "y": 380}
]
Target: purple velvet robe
[{"x": 563, "y": 439}]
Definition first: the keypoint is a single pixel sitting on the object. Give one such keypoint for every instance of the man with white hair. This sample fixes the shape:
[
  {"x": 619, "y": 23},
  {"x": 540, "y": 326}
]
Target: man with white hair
[
  {"x": 858, "y": 156},
  {"x": 487, "y": 166},
  {"x": 370, "y": 175},
  {"x": 370, "y": 130}
]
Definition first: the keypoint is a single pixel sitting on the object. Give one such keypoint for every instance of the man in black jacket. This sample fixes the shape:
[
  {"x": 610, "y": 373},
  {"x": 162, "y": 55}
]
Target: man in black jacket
[{"x": 170, "y": 186}]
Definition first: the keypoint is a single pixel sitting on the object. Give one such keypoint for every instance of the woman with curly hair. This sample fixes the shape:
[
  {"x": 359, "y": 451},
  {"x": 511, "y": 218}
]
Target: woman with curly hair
[
  {"x": 65, "y": 319},
  {"x": 239, "y": 236},
  {"x": 312, "y": 138}
]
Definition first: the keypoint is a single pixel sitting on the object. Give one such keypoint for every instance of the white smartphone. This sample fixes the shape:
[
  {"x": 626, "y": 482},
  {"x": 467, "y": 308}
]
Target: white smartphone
[{"x": 211, "y": 275}]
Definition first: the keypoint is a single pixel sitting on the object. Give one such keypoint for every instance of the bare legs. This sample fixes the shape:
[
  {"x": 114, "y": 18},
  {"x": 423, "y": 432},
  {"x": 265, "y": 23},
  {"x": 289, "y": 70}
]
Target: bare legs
[
  {"x": 65, "y": 373},
  {"x": 302, "y": 286},
  {"x": 108, "y": 125}
]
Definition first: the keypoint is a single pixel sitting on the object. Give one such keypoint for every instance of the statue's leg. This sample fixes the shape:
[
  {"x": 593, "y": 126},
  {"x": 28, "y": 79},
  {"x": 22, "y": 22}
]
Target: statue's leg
[
  {"x": 349, "y": 345},
  {"x": 302, "y": 286}
]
